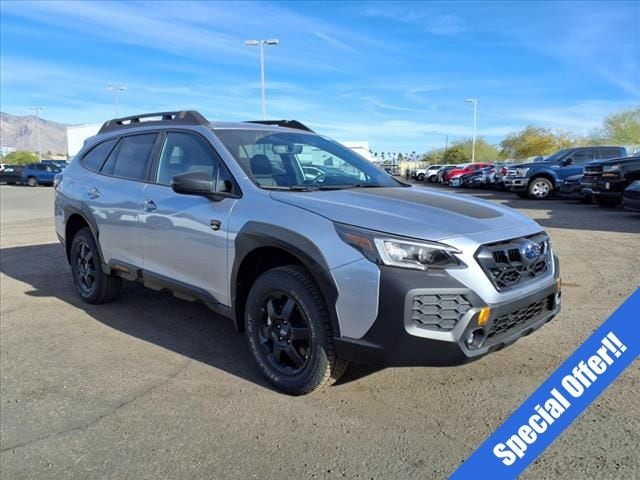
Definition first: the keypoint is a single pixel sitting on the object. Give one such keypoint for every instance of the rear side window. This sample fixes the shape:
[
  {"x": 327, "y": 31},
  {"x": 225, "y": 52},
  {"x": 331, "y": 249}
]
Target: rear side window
[
  {"x": 132, "y": 158},
  {"x": 609, "y": 153},
  {"x": 96, "y": 156}
]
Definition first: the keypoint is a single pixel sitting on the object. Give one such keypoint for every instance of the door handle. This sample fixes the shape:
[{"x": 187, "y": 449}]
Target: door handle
[
  {"x": 149, "y": 205},
  {"x": 215, "y": 224},
  {"x": 93, "y": 193}
]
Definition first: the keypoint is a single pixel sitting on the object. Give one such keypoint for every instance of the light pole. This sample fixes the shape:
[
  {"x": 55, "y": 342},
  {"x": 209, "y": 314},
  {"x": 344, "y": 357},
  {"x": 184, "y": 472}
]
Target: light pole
[
  {"x": 475, "y": 110},
  {"x": 261, "y": 44},
  {"x": 116, "y": 89},
  {"x": 37, "y": 110}
]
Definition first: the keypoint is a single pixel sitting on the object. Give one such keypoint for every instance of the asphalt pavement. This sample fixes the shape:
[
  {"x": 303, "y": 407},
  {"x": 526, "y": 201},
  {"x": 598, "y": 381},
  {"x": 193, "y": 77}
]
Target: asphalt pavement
[{"x": 153, "y": 387}]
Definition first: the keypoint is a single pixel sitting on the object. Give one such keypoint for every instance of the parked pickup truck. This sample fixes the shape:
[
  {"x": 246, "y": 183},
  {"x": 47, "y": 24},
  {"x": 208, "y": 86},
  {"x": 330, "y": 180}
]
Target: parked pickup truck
[
  {"x": 606, "y": 180},
  {"x": 539, "y": 180}
]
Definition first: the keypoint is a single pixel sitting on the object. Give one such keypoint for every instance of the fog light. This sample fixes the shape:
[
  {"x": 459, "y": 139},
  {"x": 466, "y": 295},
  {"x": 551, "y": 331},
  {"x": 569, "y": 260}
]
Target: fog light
[
  {"x": 483, "y": 316},
  {"x": 475, "y": 338}
]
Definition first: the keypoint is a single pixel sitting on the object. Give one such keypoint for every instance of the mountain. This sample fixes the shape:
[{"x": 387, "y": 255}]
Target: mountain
[{"x": 21, "y": 133}]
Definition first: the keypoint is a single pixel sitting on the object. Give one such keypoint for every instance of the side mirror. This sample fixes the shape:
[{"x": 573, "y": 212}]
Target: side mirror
[
  {"x": 193, "y": 183},
  {"x": 568, "y": 161}
]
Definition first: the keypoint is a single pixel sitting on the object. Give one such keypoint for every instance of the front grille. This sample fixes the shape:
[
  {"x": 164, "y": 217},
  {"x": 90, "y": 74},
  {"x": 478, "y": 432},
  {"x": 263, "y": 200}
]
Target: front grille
[
  {"x": 591, "y": 173},
  {"x": 439, "y": 312},
  {"x": 511, "y": 320},
  {"x": 517, "y": 261}
]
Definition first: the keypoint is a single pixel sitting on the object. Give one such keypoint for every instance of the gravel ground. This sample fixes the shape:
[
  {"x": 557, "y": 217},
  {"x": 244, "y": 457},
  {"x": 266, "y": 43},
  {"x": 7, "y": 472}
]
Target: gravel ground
[{"x": 155, "y": 387}]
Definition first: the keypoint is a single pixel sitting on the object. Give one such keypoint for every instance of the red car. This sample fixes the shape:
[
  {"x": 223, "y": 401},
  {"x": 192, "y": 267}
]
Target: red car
[{"x": 462, "y": 169}]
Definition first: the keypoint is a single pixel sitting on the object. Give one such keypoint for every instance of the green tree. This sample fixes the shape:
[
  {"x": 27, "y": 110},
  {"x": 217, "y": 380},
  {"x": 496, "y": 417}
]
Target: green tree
[
  {"x": 622, "y": 128},
  {"x": 529, "y": 142},
  {"x": 455, "y": 154},
  {"x": 20, "y": 157}
]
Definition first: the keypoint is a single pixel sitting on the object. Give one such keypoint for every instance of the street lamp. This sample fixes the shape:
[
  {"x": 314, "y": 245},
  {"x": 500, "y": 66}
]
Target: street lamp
[
  {"x": 475, "y": 110},
  {"x": 37, "y": 110},
  {"x": 261, "y": 44},
  {"x": 116, "y": 89}
]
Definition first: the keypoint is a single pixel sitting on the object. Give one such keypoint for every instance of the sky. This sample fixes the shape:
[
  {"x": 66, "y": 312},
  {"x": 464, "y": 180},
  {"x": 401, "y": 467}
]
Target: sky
[{"x": 395, "y": 74}]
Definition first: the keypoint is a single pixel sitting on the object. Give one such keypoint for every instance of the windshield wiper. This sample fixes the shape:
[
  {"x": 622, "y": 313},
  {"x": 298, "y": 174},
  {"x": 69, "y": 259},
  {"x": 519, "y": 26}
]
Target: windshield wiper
[
  {"x": 292, "y": 188},
  {"x": 348, "y": 186}
]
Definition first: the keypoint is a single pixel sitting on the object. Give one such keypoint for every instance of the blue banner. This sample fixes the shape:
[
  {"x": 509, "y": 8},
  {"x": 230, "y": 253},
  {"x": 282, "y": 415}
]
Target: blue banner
[{"x": 560, "y": 399}]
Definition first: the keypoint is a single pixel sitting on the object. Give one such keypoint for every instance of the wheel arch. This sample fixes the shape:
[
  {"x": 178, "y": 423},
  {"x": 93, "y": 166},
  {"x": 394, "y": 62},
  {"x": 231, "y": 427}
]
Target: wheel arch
[
  {"x": 260, "y": 247},
  {"x": 75, "y": 219}
]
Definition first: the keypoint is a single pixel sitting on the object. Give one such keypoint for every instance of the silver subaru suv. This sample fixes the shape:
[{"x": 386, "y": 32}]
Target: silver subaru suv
[{"x": 318, "y": 256}]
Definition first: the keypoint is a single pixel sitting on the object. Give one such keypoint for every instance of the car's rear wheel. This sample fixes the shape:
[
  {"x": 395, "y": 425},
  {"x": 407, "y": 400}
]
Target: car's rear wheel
[
  {"x": 608, "y": 202},
  {"x": 289, "y": 331},
  {"x": 540, "y": 188},
  {"x": 32, "y": 181},
  {"x": 92, "y": 284}
]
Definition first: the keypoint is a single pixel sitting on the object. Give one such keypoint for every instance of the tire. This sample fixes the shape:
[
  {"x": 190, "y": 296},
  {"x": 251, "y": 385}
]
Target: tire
[
  {"x": 32, "y": 181},
  {"x": 420, "y": 177},
  {"x": 586, "y": 199},
  {"x": 92, "y": 284},
  {"x": 540, "y": 188},
  {"x": 524, "y": 195},
  {"x": 281, "y": 302},
  {"x": 608, "y": 202},
  {"x": 433, "y": 179}
]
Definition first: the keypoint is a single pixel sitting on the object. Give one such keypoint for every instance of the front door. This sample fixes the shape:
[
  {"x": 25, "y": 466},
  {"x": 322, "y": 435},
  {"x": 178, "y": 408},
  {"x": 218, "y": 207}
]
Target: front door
[{"x": 185, "y": 237}]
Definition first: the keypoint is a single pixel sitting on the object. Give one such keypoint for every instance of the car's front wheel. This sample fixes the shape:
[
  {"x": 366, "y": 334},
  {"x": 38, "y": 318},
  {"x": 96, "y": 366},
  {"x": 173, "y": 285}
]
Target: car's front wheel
[
  {"x": 289, "y": 331},
  {"x": 32, "y": 181},
  {"x": 421, "y": 177},
  {"x": 92, "y": 284},
  {"x": 540, "y": 188}
]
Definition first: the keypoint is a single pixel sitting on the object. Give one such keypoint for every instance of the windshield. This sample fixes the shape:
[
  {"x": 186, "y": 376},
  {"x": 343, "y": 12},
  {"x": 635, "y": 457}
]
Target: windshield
[
  {"x": 300, "y": 161},
  {"x": 558, "y": 155}
]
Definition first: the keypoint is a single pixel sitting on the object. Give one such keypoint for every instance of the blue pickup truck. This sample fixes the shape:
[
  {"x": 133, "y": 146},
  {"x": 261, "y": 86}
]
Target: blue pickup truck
[{"x": 540, "y": 180}]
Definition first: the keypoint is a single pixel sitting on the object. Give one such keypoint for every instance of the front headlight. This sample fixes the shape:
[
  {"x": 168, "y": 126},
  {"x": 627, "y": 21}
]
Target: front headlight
[
  {"x": 386, "y": 249},
  {"x": 611, "y": 168},
  {"x": 521, "y": 172}
]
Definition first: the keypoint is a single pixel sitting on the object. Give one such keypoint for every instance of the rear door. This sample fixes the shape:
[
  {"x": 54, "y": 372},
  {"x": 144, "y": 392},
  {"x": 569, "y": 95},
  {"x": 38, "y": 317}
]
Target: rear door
[
  {"x": 114, "y": 195},
  {"x": 185, "y": 237}
]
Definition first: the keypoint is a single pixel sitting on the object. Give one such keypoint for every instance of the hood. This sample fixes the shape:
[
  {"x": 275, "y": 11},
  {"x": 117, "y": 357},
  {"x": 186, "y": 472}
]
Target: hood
[
  {"x": 536, "y": 164},
  {"x": 613, "y": 161},
  {"x": 412, "y": 212}
]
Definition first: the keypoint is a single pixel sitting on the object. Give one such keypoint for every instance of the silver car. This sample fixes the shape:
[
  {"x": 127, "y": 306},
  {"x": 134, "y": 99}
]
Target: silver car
[{"x": 319, "y": 266}]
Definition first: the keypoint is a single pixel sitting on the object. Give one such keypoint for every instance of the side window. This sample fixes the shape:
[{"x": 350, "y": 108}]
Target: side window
[
  {"x": 580, "y": 157},
  {"x": 184, "y": 152},
  {"x": 96, "y": 156},
  {"x": 133, "y": 157},
  {"x": 605, "y": 153}
]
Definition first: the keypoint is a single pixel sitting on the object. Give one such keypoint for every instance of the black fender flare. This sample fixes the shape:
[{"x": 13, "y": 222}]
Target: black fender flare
[
  {"x": 83, "y": 211},
  {"x": 254, "y": 235}
]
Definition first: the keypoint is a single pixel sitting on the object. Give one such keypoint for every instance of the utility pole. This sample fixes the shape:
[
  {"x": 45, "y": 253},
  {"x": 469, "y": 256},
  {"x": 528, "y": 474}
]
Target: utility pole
[
  {"x": 37, "y": 110},
  {"x": 261, "y": 44},
  {"x": 475, "y": 110},
  {"x": 116, "y": 89}
]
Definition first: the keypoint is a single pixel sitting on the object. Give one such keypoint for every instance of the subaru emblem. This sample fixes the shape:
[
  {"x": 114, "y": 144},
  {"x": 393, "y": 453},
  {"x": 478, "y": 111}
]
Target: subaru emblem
[{"x": 530, "y": 251}]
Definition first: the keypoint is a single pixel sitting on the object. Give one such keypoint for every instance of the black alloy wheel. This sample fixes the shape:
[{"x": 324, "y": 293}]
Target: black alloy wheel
[
  {"x": 91, "y": 282},
  {"x": 285, "y": 335},
  {"x": 85, "y": 270}
]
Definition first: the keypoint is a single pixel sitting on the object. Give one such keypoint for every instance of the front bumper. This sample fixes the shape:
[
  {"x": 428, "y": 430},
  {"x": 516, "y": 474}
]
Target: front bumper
[
  {"x": 516, "y": 184},
  {"x": 609, "y": 187},
  {"x": 397, "y": 338}
]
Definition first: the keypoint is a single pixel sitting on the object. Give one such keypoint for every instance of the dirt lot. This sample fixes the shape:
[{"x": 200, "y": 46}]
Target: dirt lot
[{"x": 155, "y": 387}]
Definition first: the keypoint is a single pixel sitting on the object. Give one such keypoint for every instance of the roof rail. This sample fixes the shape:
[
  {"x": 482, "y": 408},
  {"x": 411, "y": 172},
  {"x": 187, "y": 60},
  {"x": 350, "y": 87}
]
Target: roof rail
[
  {"x": 283, "y": 123},
  {"x": 184, "y": 117}
]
